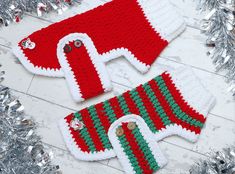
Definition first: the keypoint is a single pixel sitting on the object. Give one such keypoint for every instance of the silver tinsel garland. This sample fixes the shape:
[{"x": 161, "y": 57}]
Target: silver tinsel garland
[
  {"x": 218, "y": 25},
  {"x": 21, "y": 150},
  {"x": 218, "y": 163},
  {"x": 13, "y": 10}
]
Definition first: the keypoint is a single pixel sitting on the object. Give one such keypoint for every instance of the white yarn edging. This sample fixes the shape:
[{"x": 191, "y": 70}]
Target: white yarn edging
[
  {"x": 148, "y": 136},
  {"x": 18, "y": 52},
  {"x": 163, "y": 18},
  {"x": 76, "y": 150},
  {"x": 150, "y": 14},
  {"x": 192, "y": 90},
  {"x": 102, "y": 155},
  {"x": 118, "y": 52},
  {"x": 99, "y": 65},
  {"x": 178, "y": 130}
]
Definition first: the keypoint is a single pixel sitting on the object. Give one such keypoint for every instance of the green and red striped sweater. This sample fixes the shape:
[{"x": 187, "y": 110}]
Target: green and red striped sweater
[{"x": 173, "y": 103}]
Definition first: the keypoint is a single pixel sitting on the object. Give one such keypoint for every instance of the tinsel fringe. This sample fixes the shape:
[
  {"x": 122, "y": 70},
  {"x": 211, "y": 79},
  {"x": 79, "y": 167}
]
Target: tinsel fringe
[
  {"x": 218, "y": 163},
  {"x": 218, "y": 25},
  {"x": 13, "y": 10},
  {"x": 21, "y": 150}
]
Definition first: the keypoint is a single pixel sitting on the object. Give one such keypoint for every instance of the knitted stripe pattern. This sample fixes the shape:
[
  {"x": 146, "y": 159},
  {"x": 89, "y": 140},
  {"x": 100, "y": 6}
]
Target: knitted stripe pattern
[
  {"x": 135, "y": 146},
  {"x": 159, "y": 102},
  {"x": 137, "y": 29}
]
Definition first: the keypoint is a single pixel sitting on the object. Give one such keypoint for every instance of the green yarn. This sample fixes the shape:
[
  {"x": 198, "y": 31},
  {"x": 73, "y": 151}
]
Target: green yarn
[
  {"x": 109, "y": 111},
  {"x": 158, "y": 108},
  {"x": 174, "y": 106},
  {"x": 139, "y": 104},
  {"x": 85, "y": 134},
  {"x": 123, "y": 105},
  {"x": 145, "y": 149},
  {"x": 127, "y": 149},
  {"x": 143, "y": 112},
  {"x": 100, "y": 129}
]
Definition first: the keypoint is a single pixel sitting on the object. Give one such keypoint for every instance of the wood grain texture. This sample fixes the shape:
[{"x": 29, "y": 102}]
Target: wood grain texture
[{"x": 48, "y": 99}]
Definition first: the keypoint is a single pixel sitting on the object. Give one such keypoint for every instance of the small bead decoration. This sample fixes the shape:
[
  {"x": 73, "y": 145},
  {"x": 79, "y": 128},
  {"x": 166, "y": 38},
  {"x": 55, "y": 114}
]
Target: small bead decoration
[
  {"x": 133, "y": 146},
  {"x": 76, "y": 124},
  {"x": 77, "y": 43},
  {"x": 67, "y": 48},
  {"x": 28, "y": 44},
  {"x": 158, "y": 102},
  {"x": 131, "y": 125},
  {"x": 119, "y": 131}
]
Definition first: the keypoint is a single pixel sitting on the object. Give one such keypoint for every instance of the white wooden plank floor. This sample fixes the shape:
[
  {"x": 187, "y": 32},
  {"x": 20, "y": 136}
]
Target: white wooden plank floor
[{"x": 41, "y": 100}]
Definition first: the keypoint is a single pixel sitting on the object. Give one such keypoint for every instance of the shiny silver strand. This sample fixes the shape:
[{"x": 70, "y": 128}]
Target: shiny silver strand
[
  {"x": 13, "y": 10},
  {"x": 218, "y": 25},
  {"x": 218, "y": 163},
  {"x": 21, "y": 150}
]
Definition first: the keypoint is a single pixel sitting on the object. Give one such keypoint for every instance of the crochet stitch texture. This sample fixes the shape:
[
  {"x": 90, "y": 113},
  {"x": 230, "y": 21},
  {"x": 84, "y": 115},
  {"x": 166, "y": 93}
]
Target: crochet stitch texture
[
  {"x": 136, "y": 29},
  {"x": 135, "y": 146},
  {"x": 85, "y": 73},
  {"x": 173, "y": 103}
]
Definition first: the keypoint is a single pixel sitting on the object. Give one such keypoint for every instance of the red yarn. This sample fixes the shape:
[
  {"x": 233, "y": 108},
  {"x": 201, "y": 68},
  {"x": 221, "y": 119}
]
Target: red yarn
[
  {"x": 131, "y": 104},
  {"x": 164, "y": 103},
  {"x": 80, "y": 142},
  {"x": 117, "y": 24},
  {"x": 155, "y": 117},
  {"x": 92, "y": 130},
  {"x": 103, "y": 118},
  {"x": 136, "y": 149},
  {"x": 158, "y": 102},
  {"x": 179, "y": 99},
  {"x": 84, "y": 71},
  {"x": 117, "y": 110}
]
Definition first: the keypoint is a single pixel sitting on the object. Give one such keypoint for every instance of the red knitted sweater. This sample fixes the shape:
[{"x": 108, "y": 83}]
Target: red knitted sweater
[{"x": 133, "y": 28}]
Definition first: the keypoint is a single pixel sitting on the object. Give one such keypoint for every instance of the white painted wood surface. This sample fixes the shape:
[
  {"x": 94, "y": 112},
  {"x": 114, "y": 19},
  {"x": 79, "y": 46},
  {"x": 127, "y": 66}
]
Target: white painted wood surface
[{"x": 48, "y": 99}]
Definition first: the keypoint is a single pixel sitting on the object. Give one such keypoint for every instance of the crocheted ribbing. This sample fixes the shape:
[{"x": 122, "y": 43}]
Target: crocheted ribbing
[
  {"x": 159, "y": 102},
  {"x": 137, "y": 29}
]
